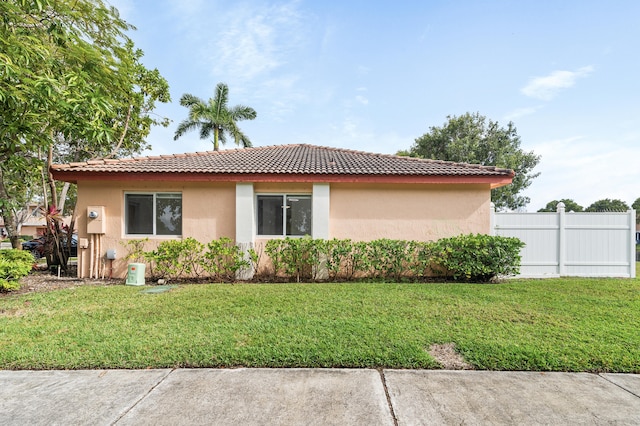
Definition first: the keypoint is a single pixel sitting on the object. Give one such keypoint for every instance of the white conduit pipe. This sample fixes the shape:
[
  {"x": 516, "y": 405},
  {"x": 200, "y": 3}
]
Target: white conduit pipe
[
  {"x": 98, "y": 257},
  {"x": 91, "y": 248},
  {"x": 80, "y": 263}
]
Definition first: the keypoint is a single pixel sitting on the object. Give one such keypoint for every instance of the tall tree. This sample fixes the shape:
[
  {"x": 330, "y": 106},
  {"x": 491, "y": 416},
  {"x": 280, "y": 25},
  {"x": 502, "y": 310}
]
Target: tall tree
[
  {"x": 636, "y": 207},
  {"x": 471, "y": 138},
  {"x": 69, "y": 75},
  {"x": 215, "y": 118},
  {"x": 608, "y": 205},
  {"x": 569, "y": 205}
]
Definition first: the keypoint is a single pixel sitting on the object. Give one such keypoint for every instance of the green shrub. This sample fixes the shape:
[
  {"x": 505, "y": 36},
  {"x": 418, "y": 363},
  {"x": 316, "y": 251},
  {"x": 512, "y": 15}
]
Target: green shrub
[
  {"x": 14, "y": 264},
  {"x": 421, "y": 254},
  {"x": 477, "y": 258},
  {"x": 299, "y": 258},
  {"x": 337, "y": 257},
  {"x": 223, "y": 258},
  {"x": 177, "y": 258},
  {"x": 135, "y": 250},
  {"x": 389, "y": 259},
  {"x": 189, "y": 258}
]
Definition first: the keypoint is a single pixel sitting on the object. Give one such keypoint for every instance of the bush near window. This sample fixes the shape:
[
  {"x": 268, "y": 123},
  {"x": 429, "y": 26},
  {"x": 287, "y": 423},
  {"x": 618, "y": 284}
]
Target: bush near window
[
  {"x": 177, "y": 258},
  {"x": 223, "y": 258},
  {"x": 299, "y": 258},
  {"x": 14, "y": 264}
]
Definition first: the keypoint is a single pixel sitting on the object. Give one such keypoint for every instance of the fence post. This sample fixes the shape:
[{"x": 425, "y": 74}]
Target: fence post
[
  {"x": 632, "y": 241},
  {"x": 492, "y": 219},
  {"x": 562, "y": 240}
]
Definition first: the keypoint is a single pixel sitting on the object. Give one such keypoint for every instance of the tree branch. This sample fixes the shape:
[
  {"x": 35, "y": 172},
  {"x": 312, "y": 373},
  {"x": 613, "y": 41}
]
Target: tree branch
[{"x": 124, "y": 132}]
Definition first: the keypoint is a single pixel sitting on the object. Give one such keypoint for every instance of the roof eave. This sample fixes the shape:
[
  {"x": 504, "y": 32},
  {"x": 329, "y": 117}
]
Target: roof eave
[{"x": 495, "y": 181}]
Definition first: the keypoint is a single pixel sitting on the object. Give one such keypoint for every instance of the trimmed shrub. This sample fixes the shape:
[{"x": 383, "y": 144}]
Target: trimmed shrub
[
  {"x": 476, "y": 258},
  {"x": 223, "y": 258},
  {"x": 389, "y": 259},
  {"x": 298, "y": 258},
  {"x": 421, "y": 254},
  {"x": 14, "y": 264},
  {"x": 177, "y": 258}
]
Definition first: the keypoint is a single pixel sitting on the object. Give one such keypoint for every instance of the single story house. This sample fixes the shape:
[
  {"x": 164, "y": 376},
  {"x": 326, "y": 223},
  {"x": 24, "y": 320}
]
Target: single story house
[{"x": 255, "y": 194}]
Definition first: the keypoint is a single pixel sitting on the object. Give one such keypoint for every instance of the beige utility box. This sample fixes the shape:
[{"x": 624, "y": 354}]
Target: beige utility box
[{"x": 96, "y": 223}]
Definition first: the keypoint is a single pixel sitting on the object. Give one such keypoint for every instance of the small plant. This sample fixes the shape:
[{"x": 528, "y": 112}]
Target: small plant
[
  {"x": 14, "y": 264},
  {"x": 135, "y": 249}
]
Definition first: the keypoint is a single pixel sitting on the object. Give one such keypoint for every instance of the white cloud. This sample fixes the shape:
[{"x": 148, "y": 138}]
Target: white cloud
[
  {"x": 546, "y": 88},
  {"x": 520, "y": 112},
  {"x": 361, "y": 99},
  {"x": 255, "y": 41}
]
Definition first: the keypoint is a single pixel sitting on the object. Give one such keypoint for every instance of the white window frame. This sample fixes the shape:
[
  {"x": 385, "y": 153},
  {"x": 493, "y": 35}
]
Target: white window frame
[
  {"x": 285, "y": 195},
  {"x": 154, "y": 213}
]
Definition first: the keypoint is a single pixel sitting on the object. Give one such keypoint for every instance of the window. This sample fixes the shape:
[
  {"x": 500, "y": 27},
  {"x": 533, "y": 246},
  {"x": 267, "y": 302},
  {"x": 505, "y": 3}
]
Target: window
[
  {"x": 153, "y": 214},
  {"x": 284, "y": 215}
]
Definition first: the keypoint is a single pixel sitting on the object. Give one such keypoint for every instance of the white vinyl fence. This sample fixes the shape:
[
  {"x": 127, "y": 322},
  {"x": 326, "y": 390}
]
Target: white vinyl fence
[{"x": 572, "y": 244}]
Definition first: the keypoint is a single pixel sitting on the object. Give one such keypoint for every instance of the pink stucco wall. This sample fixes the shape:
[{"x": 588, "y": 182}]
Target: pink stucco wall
[
  {"x": 357, "y": 211},
  {"x": 210, "y": 207},
  {"x": 367, "y": 212}
]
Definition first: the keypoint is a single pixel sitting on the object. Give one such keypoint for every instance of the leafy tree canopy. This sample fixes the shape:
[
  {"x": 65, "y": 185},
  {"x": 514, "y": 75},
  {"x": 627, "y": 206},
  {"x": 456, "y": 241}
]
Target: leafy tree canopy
[
  {"x": 569, "y": 205},
  {"x": 215, "y": 118},
  {"x": 607, "y": 205},
  {"x": 72, "y": 88},
  {"x": 471, "y": 138}
]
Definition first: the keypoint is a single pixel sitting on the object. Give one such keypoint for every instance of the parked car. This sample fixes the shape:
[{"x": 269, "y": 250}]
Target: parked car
[{"x": 36, "y": 246}]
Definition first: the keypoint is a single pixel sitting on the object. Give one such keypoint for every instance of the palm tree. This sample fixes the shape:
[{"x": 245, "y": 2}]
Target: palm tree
[{"x": 215, "y": 117}]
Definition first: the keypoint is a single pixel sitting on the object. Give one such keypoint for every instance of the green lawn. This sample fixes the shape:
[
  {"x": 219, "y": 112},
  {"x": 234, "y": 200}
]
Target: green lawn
[{"x": 546, "y": 325}]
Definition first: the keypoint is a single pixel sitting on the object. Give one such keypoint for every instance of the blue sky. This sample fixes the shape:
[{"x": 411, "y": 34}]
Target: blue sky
[{"x": 374, "y": 76}]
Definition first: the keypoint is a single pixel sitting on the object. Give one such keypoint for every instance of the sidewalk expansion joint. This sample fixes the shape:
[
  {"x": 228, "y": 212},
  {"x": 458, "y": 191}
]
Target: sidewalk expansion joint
[
  {"x": 621, "y": 387},
  {"x": 151, "y": 389},
  {"x": 383, "y": 379}
]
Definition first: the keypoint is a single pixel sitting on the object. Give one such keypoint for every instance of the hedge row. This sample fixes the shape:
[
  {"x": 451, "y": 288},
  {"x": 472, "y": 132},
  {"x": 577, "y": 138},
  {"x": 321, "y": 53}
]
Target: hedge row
[{"x": 472, "y": 258}]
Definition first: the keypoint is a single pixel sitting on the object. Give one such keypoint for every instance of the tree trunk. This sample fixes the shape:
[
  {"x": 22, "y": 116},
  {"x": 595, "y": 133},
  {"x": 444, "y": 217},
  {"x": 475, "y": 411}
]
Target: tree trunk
[
  {"x": 7, "y": 214},
  {"x": 51, "y": 181},
  {"x": 63, "y": 196}
]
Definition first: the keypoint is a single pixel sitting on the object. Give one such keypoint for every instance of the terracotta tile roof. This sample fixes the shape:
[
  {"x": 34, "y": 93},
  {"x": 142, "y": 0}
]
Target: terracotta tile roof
[{"x": 300, "y": 159}]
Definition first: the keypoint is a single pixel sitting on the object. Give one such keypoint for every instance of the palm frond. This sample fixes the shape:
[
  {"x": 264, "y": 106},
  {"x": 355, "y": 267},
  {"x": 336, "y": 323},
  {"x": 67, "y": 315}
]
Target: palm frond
[
  {"x": 188, "y": 100},
  {"x": 206, "y": 129},
  {"x": 242, "y": 112},
  {"x": 184, "y": 127}
]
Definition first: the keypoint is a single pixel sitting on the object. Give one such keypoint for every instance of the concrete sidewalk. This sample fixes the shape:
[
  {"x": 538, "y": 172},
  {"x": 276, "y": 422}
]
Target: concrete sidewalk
[{"x": 315, "y": 397}]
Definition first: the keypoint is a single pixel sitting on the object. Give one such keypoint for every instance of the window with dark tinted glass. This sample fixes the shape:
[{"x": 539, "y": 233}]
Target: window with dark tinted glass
[
  {"x": 284, "y": 215},
  {"x": 153, "y": 214}
]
